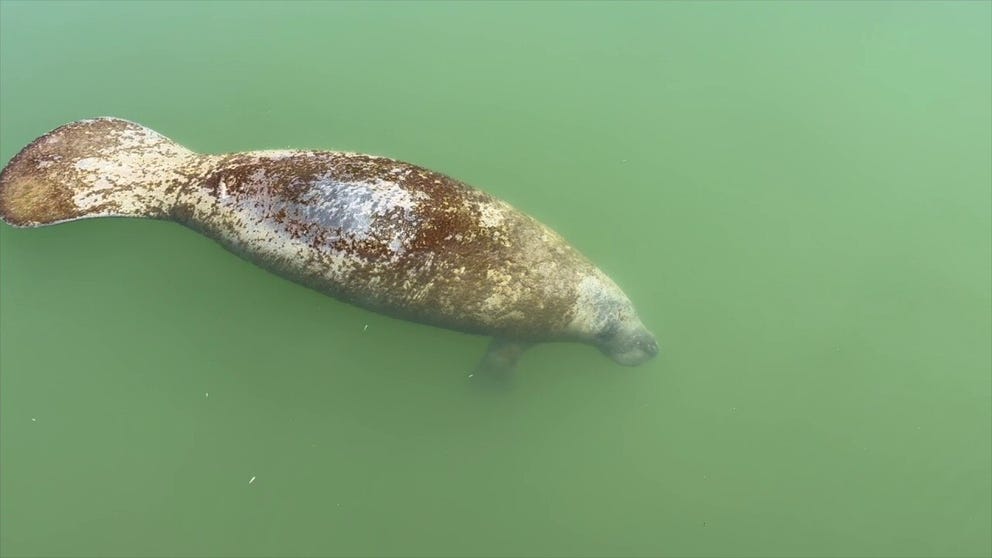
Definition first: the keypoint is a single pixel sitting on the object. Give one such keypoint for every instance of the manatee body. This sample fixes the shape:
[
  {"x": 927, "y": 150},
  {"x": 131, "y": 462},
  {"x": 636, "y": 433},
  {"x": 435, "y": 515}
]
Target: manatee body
[{"x": 383, "y": 234}]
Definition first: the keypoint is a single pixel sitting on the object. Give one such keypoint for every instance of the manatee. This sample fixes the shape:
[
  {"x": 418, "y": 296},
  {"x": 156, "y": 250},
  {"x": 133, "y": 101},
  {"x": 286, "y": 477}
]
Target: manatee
[{"x": 382, "y": 234}]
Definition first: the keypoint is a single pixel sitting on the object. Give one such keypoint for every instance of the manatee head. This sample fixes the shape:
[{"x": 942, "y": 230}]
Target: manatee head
[{"x": 605, "y": 317}]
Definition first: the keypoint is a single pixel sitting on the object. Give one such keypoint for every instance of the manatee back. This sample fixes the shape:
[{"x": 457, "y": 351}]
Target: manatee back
[{"x": 392, "y": 237}]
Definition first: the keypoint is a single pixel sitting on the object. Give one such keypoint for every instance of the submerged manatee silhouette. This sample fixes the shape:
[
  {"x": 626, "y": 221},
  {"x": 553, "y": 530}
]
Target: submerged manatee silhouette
[{"x": 383, "y": 234}]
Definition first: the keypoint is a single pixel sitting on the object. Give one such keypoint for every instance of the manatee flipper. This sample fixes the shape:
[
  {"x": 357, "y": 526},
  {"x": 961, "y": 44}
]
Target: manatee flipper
[{"x": 500, "y": 360}]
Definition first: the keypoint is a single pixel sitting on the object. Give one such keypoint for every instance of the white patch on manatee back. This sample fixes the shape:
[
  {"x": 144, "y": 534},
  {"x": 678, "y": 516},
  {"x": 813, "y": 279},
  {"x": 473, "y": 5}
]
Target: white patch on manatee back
[
  {"x": 357, "y": 210},
  {"x": 396, "y": 244},
  {"x": 277, "y": 154},
  {"x": 502, "y": 296},
  {"x": 354, "y": 207},
  {"x": 490, "y": 215}
]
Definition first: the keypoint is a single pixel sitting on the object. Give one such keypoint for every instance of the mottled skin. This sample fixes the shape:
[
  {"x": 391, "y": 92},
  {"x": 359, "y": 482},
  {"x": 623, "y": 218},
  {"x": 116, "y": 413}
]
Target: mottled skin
[{"x": 383, "y": 234}]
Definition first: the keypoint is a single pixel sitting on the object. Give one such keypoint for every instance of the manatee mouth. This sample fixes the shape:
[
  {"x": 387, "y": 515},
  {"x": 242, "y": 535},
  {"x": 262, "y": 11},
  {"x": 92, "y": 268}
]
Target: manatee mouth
[{"x": 634, "y": 350}]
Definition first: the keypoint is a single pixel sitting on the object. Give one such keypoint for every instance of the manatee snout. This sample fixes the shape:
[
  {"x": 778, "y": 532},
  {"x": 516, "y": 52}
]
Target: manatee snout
[{"x": 631, "y": 347}]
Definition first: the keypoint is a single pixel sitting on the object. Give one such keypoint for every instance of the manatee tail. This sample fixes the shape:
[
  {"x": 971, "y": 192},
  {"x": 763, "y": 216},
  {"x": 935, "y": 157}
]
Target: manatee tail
[{"x": 95, "y": 168}]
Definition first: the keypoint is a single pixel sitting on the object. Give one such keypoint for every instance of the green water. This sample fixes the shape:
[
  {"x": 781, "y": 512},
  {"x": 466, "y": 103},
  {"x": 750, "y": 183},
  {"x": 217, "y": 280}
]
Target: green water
[{"x": 795, "y": 195}]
